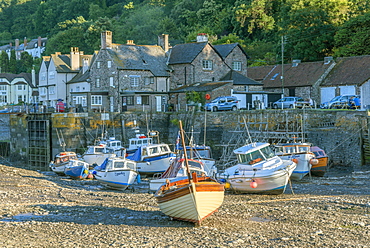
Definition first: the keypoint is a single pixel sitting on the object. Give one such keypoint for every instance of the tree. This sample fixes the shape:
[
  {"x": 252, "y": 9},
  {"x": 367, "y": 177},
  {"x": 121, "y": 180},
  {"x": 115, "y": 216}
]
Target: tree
[
  {"x": 4, "y": 62},
  {"x": 12, "y": 62},
  {"x": 25, "y": 64},
  {"x": 353, "y": 38}
]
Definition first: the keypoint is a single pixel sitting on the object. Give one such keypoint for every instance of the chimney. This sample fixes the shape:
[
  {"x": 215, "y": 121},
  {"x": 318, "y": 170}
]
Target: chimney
[
  {"x": 163, "y": 42},
  {"x": 16, "y": 43},
  {"x": 39, "y": 41},
  {"x": 33, "y": 77},
  {"x": 130, "y": 42},
  {"x": 24, "y": 43},
  {"x": 202, "y": 37},
  {"x": 106, "y": 40},
  {"x": 75, "y": 59},
  {"x": 296, "y": 62}
]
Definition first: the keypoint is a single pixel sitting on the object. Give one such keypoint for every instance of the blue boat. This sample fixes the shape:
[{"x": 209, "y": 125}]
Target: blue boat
[{"x": 77, "y": 169}]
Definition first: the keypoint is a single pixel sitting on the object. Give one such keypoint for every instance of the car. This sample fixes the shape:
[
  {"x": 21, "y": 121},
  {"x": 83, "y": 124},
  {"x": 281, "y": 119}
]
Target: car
[
  {"x": 337, "y": 102},
  {"x": 290, "y": 102},
  {"x": 223, "y": 103}
]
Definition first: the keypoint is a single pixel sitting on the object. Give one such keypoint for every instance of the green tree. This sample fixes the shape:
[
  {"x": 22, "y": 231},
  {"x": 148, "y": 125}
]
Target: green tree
[
  {"x": 353, "y": 38},
  {"x": 12, "y": 62},
  {"x": 4, "y": 62},
  {"x": 25, "y": 64},
  {"x": 64, "y": 40}
]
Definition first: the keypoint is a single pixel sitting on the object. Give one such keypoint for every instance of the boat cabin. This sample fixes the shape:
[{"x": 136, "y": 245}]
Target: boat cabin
[
  {"x": 155, "y": 150},
  {"x": 98, "y": 149},
  {"x": 64, "y": 157},
  {"x": 119, "y": 164},
  {"x": 254, "y": 153},
  {"x": 138, "y": 141},
  {"x": 198, "y": 151},
  {"x": 292, "y": 148}
]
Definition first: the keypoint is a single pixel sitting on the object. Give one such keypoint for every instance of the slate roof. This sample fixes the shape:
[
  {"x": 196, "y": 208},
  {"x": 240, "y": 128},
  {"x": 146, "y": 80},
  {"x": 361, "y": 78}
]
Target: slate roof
[
  {"x": 305, "y": 74},
  {"x": 26, "y": 76},
  {"x": 140, "y": 57},
  {"x": 349, "y": 71},
  {"x": 225, "y": 49},
  {"x": 185, "y": 53},
  {"x": 80, "y": 77},
  {"x": 239, "y": 79},
  {"x": 63, "y": 62},
  {"x": 31, "y": 44},
  {"x": 200, "y": 87}
]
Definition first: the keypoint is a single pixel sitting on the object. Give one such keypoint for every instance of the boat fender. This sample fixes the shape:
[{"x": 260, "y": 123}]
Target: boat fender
[
  {"x": 138, "y": 178},
  {"x": 255, "y": 160},
  {"x": 253, "y": 184},
  {"x": 295, "y": 160},
  {"x": 314, "y": 161}
]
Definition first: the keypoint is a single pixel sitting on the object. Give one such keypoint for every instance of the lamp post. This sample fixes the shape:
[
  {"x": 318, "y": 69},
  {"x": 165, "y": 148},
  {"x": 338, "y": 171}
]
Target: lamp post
[{"x": 282, "y": 64}]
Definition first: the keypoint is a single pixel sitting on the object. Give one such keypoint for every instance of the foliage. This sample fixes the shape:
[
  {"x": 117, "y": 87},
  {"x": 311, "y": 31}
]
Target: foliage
[
  {"x": 4, "y": 62},
  {"x": 12, "y": 62},
  {"x": 195, "y": 97}
]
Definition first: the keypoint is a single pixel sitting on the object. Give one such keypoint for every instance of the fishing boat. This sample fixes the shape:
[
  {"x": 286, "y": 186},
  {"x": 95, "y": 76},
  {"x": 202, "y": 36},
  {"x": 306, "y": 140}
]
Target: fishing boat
[
  {"x": 116, "y": 172},
  {"x": 192, "y": 198},
  {"x": 138, "y": 141},
  {"x": 96, "y": 154},
  {"x": 177, "y": 169},
  {"x": 153, "y": 158},
  {"x": 301, "y": 154},
  {"x": 319, "y": 169},
  {"x": 60, "y": 161},
  {"x": 115, "y": 145},
  {"x": 77, "y": 169},
  {"x": 258, "y": 170}
]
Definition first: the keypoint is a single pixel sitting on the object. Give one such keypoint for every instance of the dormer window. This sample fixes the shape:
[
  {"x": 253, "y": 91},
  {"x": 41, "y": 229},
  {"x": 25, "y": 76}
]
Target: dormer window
[
  {"x": 275, "y": 76},
  {"x": 207, "y": 65},
  {"x": 236, "y": 65}
]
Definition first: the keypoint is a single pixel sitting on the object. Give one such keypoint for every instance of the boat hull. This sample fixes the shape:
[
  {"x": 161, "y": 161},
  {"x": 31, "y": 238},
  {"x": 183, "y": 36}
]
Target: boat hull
[
  {"x": 190, "y": 202},
  {"x": 97, "y": 158},
  {"x": 266, "y": 181},
  {"x": 58, "y": 168},
  {"x": 117, "y": 179},
  {"x": 151, "y": 167},
  {"x": 320, "y": 168},
  {"x": 303, "y": 164},
  {"x": 77, "y": 172}
]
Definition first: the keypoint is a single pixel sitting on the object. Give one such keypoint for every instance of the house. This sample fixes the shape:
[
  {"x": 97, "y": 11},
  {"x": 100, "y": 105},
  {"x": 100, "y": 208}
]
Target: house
[
  {"x": 295, "y": 79},
  {"x": 17, "y": 88},
  {"x": 128, "y": 77},
  {"x": 55, "y": 71},
  {"x": 350, "y": 75},
  {"x": 35, "y": 47}
]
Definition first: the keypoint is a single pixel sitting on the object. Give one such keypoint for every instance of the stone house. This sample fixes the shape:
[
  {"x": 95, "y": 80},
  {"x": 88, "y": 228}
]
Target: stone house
[
  {"x": 55, "y": 71},
  {"x": 18, "y": 88},
  {"x": 128, "y": 77}
]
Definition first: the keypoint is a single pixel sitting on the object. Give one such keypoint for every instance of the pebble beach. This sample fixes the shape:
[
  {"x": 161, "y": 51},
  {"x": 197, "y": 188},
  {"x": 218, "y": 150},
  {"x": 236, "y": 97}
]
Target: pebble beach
[{"x": 42, "y": 209}]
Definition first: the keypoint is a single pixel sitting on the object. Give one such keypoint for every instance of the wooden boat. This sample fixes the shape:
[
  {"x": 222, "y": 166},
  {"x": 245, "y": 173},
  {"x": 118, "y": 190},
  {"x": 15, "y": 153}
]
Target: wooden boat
[
  {"x": 320, "y": 168},
  {"x": 116, "y": 172},
  {"x": 60, "y": 161},
  {"x": 177, "y": 169},
  {"x": 192, "y": 198},
  {"x": 301, "y": 154},
  {"x": 259, "y": 170},
  {"x": 153, "y": 158},
  {"x": 77, "y": 169}
]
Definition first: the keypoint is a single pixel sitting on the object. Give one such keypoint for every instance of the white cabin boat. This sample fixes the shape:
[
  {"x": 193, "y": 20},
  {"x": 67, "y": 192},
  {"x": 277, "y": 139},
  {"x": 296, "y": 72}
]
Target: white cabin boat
[
  {"x": 115, "y": 145},
  {"x": 60, "y": 161},
  {"x": 300, "y": 153},
  {"x": 97, "y": 154},
  {"x": 203, "y": 154},
  {"x": 116, "y": 172},
  {"x": 258, "y": 170},
  {"x": 138, "y": 141}
]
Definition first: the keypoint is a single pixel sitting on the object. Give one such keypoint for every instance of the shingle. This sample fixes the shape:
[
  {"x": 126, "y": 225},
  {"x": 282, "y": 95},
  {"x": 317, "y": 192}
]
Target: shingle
[
  {"x": 185, "y": 53},
  {"x": 239, "y": 79},
  {"x": 200, "y": 87}
]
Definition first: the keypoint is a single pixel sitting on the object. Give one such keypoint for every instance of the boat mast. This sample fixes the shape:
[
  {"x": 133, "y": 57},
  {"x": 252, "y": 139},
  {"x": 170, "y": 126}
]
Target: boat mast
[{"x": 185, "y": 155}]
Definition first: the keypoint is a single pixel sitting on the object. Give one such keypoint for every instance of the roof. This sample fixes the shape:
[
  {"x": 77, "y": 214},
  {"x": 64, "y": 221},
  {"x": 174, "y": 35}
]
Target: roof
[
  {"x": 63, "y": 62},
  {"x": 239, "y": 79},
  {"x": 80, "y": 77},
  {"x": 304, "y": 74},
  {"x": 31, "y": 44},
  {"x": 225, "y": 49},
  {"x": 200, "y": 87},
  {"x": 26, "y": 76},
  {"x": 185, "y": 53},
  {"x": 349, "y": 71},
  {"x": 140, "y": 57}
]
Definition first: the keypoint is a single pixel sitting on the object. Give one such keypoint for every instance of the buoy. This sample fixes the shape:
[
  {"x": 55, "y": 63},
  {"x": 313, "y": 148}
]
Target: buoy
[
  {"x": 208, "y": 96},
  {"x": 227, "y": 185},
  {"x": 295, "y": 160},
  {"x": 138, "y": 178},
  {"x": 253, "y": 184},
  {"x": 314, "y": 161}
]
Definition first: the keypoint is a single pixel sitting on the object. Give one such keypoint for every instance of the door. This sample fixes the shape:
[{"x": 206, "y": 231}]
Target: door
[
  {"x": 158, "y": 103},
  {"x": 327, "y": 93}
]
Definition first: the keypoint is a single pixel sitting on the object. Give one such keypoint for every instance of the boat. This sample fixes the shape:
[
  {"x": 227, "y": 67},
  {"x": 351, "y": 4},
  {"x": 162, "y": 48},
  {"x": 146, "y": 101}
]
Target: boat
[
  {"x": 177, "y": 169},
  {"x": 319, "y": 169},
  {"x": 258, "y": 171},
  {"x": 152, "y": 158},
  {"x": 96, "y": 154},
  {"x": 192, "y": 198},
  {"x": 77, "y": 169},
  {"x": 115, "y": 145},
  {"x": 60, "y": 161},
  {"x": 136, "y": 142},
  {"x": 116, "y": 172},
  {"x": 301, "y": 154}
]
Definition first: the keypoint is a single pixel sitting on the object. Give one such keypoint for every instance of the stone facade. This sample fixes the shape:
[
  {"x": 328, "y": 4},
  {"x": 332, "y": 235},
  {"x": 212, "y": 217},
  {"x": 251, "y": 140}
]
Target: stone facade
[{"x": 237, "y": 55}]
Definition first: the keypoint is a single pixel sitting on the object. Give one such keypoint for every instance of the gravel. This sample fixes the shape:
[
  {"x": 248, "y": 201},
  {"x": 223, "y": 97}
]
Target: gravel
[{"x": 41, "y": 209}]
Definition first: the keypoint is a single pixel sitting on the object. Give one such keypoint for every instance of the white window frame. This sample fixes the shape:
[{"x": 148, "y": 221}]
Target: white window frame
[
  {"x": 134, "y": 80},
  {"x": 111, "y": 82},
  {"x": 52, "y": 90},
  {"x": 98, "y": 64},
  {"x": 109, "y": 64},
  {"x": 236, "y": 65},
  {"x": 51, "y": 75},
  {"x": 97, "y": 83},
  {"x": 96, "y": 100},
  {"x": 207, "y": 65}
]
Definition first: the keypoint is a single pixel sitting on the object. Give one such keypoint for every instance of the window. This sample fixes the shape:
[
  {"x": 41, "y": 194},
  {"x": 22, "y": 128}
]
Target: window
[
  {"x": 130, "y": 100},
  {"x": 109, "y": 64},
  {"x": 79, "y": 100},
  {"x": 236, "y": 65},
  {"x": 111, "y": 82},
  {"x": 96, "y": 100},
  {"x": 42, "y": 91},
  {"x": 98, "y": 64},
  {"x": 19, "y": 87},
  {"x": 134, "y": 80},
  {"x": 3, "y": 98},
  {"x": 275, "y": 76},
  {"x": 97, "y": 83},
  {"x": 20, "y": 98},
  {"x": 145, "y": 100},
  {"x": 51, "y": 75},
  {"x": 43, "y": 76},
  {"x": 52, "y": 90},
  {"x": 3, "y": 87},
  {"x": 207, "y": 65}
]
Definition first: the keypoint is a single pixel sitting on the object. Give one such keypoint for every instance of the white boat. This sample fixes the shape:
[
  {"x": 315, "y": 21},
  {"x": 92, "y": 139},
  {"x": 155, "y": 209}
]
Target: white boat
[
  {"x": 97, "y": 154},
  {"x": 114, "y": 145},
  {"x": 258, "y": 170},
  {"x": 177, "y": 169},
  {"x": 116, "y": 172},
  {"x": 203, "y": 154},
  {"x": 301, "y": 154},
  {"x": 60, "y": 161},
  {"x": 138, "y": 141},
  {"x": 192, "y": 198},
  {"x": 153, "y": 158}
]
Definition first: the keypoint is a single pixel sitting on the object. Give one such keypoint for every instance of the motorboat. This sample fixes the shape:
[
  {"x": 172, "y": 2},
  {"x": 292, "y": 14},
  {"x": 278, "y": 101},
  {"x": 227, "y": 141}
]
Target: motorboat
[
  {"x": 138, "y": 141},
  {"x": 259, "y": 170},
  {"x": 301, "y": 154},
  {"x": 60, "y": 161},
  {"x": 77, "y": 169},
  {"x": 116, "y": 172},
  {"x": 114, "y": 145},
  {"x": 319, "y": 169},
  {"x": 96, "y": 154}
]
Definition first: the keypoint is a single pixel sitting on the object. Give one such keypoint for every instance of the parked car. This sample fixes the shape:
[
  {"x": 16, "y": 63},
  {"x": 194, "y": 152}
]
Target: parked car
[
  {"x": 223, "y": 103},
  {"x": 291, "y": 102},
  {"x": 337, "y": 102}
]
